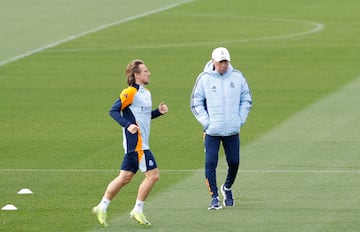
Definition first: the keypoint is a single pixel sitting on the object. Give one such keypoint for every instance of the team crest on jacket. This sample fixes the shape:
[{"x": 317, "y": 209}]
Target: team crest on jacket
[
  {"x": 232, "y": 85},
  {"x": 213, "y": 89}
]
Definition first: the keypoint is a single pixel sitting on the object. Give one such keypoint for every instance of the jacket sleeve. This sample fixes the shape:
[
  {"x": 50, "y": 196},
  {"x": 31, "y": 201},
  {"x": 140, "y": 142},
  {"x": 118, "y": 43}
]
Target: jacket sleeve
[
  {"x": 245, "y": 102},
  {"x": 198, "y": 103},
  {"x": 155, "y": 113},
  {"x": 116, "y": 115}
]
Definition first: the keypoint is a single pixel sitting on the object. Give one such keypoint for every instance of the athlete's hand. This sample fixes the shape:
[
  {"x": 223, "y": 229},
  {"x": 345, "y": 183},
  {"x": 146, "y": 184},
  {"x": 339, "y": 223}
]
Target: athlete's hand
[
  {"x": 133, "y": 128},
  {"x": 163, "y": 108}
]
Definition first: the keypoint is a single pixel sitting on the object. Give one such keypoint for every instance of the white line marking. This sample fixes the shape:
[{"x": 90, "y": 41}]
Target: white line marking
[
  {"x": 92, "y": 31},
  {"x": 308, "y": 171},
  {"x": 316, "y": 28}
]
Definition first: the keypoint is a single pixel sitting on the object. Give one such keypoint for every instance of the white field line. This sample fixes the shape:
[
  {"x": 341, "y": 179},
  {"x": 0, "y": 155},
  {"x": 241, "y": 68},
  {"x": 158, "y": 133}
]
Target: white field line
[
  {"x": 316, "y": 27},
  {"x": 92, "y": 31},
  {"x": 309, "y": 171}
]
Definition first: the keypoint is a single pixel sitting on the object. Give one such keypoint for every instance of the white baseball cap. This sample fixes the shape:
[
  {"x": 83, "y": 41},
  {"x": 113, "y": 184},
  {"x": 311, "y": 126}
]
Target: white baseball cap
[{"x": 220, "y": 54}]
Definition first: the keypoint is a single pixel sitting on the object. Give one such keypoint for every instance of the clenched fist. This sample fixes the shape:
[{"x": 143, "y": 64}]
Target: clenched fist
[{"x": 163, "y": 108}]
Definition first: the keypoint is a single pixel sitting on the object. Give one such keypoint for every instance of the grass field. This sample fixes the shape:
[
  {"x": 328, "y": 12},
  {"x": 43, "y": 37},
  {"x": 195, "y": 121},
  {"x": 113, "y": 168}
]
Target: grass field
[{"x": 62, "y": 66}]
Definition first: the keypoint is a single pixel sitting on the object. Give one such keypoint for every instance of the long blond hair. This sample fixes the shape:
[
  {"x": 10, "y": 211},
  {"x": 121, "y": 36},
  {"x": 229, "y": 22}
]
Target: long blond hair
[{"x": 131, "y": 69}]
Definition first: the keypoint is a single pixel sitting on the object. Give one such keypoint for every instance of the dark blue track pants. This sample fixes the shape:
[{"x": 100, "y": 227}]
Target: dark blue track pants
[{"x": 231, "y": 145}]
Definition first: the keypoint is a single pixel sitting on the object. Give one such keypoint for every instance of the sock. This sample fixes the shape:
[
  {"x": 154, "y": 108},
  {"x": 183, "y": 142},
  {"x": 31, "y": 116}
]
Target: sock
[
  {"x": 104, "y": 204},
  {"x": 139, "y": 206}
]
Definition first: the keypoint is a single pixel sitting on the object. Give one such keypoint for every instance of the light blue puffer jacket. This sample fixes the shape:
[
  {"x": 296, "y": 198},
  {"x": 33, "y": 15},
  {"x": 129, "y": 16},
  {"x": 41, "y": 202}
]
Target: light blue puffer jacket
[{"x": 221, "y": 103}]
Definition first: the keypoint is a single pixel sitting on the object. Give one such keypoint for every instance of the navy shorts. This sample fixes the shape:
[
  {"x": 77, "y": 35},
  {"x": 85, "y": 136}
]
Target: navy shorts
[{"x": 143, "y": 161}]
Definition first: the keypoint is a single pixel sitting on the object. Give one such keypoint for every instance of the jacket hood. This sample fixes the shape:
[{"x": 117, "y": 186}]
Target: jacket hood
[{"x": 209, "y": 68}]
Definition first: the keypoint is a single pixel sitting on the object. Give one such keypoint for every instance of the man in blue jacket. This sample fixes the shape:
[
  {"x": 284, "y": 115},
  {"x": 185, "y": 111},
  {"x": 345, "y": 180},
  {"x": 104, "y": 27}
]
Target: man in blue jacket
[{"x": 221, "y": 101}]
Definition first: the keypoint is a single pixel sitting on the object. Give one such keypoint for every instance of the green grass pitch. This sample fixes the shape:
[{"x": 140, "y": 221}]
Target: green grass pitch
[{"x": 299, "y": 152}]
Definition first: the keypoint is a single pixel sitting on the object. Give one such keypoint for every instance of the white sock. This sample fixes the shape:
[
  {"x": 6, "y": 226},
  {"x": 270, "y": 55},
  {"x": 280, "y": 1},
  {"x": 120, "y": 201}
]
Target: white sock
[
  {"x": 104, "y": 204},
  {"x": 139, "y": 206}
]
